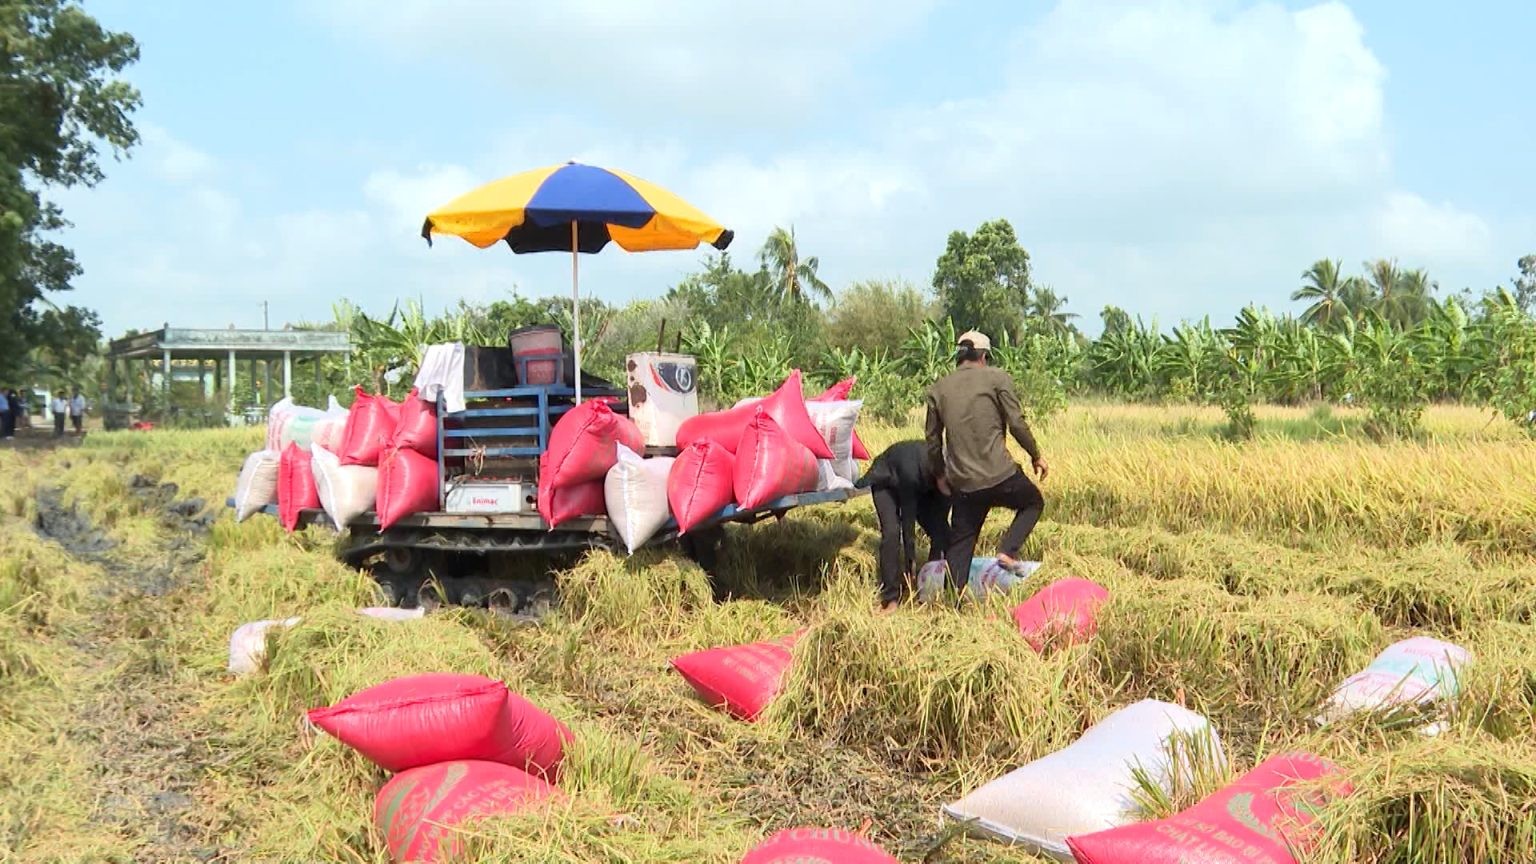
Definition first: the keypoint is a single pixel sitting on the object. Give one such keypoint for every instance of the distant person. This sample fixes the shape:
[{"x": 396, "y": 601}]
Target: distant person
[
  {"x": 77, "y": 411},
  {"x": 969, "y": 412},
  {"x": 60, "y": 407},
  {"x": 902, "y": 486},
  {"x": 8, "y": 414},
  {"x": 22, "y": 410}
]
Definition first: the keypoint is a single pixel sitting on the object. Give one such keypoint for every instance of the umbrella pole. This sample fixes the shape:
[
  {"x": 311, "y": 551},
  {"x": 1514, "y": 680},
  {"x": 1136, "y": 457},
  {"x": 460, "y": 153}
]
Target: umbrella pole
[{"x": 576, "y": 306}]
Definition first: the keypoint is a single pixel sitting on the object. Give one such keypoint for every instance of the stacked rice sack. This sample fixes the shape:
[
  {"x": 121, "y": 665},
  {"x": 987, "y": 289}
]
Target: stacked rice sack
[
  {"x": 749, "y": 455},
  {"x": 460, "y": 747},
  {"x": 289, "y": 426}
]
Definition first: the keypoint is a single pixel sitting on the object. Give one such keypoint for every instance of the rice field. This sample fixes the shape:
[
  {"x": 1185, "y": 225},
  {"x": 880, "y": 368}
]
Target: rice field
[{"x": 1246, "y": 582}]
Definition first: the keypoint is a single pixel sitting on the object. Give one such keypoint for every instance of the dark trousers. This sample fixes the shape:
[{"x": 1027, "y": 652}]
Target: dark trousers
[
  {"x": 7, "y": 425},
  {"x": 58, "y": 424},
  {"x": 79, "y": 421},
  {"x": 969, "y": 511},
  {"x": 898, "y": 545}
]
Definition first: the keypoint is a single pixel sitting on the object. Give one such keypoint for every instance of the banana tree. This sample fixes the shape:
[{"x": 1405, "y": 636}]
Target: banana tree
[
  {"x": 1123, "y": 359},
  {"x": 1186, "y": 356},
  {"x": 930, "y": 350},
  {"x": 1448, "y": 345}
]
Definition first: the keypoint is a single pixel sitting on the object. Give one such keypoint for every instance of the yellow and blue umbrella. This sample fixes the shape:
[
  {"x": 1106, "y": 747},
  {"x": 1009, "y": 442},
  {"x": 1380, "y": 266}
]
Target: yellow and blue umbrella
[{"x": 575, "y": 208}]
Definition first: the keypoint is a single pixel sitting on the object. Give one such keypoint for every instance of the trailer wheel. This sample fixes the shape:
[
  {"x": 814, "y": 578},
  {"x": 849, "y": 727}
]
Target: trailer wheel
[{"x": 402, "y": 560}]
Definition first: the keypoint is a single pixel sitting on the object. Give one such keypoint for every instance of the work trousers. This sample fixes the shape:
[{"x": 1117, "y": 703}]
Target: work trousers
[
  {"x": 969, "y": 511},
  {"x": 898, "y": 546},
  {"x": 58, "y": 424}
]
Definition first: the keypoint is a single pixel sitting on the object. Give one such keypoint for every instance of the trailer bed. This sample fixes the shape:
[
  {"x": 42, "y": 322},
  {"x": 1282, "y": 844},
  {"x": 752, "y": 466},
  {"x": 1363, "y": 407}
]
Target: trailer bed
[{"x": 527, "y": 532}]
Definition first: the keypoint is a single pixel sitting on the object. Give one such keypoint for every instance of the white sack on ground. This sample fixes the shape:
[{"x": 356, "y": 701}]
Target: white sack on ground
[
  {"x": 257, "y": 486},
  {"x": 390, "y": 613},
  {"x": 1414, "y": 672},
  {"x": 636, "y": 491},
  {"x": 248, "y": 644},
  {"x": 1088, "y": 785},
  {"x": 986, "y": 577},
  {"x": 346, "y": 491}
]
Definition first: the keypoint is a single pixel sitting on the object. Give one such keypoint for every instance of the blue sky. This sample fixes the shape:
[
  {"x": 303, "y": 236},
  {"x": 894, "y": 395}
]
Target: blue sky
[{"x": 1176, "y": 158}]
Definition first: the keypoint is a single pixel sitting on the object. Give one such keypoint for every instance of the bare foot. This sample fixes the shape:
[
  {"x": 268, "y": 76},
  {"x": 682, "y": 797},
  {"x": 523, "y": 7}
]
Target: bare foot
[{"x": 888, "y": 608}]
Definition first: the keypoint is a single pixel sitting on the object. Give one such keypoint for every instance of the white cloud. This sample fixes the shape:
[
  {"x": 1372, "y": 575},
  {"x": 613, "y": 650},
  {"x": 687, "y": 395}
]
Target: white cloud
[
  {"x": 1438, "y": 232},
  {"x": 1175, "y": 158},
  {"x": 663, "y": 60},
  {"x": 408, "y": 196},
  {"x": 174, "y": 160}
]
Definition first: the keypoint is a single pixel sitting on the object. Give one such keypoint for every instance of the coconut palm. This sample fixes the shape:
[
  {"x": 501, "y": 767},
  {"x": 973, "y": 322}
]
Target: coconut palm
[
  {"x": 1049, "y": 309},
  {"x": 793, "y": 279},
  {"x": 1323, "y": 286}
]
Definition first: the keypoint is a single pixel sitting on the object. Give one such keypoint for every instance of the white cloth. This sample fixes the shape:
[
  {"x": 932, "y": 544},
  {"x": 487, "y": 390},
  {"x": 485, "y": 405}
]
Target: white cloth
[
  {"x": 59, "y": 406},
  {"x": 442, "y": 372},
  {"x": 77, "y": 406}
]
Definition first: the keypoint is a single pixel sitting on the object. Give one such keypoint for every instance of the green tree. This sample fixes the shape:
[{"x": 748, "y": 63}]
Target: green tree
[
  {"x": 793, "y": 279},
  {"x": 1323, "y": 287},
  {"x": 1114, "y": 319},
  {"x": 876, "y": 315},
  {"x": 60, "y": 101},
  {"x": 1047, "y": 312},
  {"x": 1399, "y": 296},
  {"x": 1525, "y": 285},
  {"x": 982, "y": 280}
]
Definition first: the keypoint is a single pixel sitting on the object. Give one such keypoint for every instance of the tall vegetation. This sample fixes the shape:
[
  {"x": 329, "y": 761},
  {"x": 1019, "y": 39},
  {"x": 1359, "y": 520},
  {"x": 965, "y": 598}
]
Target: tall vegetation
[
  {"x": 61, "y": 101},
  {"x": 1379, "y": 338}
]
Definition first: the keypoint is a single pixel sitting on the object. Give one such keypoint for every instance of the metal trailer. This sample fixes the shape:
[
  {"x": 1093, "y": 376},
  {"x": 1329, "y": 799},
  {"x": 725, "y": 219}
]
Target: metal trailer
[{"x": 492, "y": 558}]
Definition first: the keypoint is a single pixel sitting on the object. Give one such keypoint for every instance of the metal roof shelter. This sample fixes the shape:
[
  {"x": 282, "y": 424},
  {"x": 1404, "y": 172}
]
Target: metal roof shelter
[{"x": 225, "y": 348}]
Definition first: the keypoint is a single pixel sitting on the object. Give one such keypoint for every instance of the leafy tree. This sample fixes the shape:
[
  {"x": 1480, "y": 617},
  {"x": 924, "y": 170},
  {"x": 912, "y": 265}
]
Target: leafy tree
[
  {"x": 1525, "y": 285},
  {"x": 793, "y": 279},
  {"x": 982, "y": 280},
  {"x": 1398, "y": 296},
  {"x": 60, "y": 102},
  {"x": 1323, "y": 287},
  {"x": 1047, "y": 312},
  {"x": 1114, "y": 319},
  {"x": 876, "y": 315}
]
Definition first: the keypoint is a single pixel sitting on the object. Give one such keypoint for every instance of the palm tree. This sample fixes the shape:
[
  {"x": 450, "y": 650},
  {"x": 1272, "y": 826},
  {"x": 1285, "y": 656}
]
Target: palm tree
[
  {"x": 1400, "y": 297},
  {"x": 1049, "y": 308},
  {"x": 793, "y": 278},
  {"x": 1414, "y": 299},
  {"x": 1324, "y": 286},
  {"x": 1355, "y": 298}
]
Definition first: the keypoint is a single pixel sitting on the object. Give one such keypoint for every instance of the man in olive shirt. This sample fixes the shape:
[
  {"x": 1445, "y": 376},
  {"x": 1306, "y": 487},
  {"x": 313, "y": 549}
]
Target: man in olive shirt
[{"x": 969, "y": 410}]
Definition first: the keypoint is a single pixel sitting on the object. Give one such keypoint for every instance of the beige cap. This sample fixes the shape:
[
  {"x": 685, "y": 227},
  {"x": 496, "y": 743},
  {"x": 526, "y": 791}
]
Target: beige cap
[{"x": 978, "y": 340}]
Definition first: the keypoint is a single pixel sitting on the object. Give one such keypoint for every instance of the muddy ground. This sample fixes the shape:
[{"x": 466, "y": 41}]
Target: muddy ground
[{"x": 130, "y": 711}]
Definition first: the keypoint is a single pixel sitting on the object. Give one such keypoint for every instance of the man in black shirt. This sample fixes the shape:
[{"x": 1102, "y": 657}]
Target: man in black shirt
[{"x": 905, "y": 495}]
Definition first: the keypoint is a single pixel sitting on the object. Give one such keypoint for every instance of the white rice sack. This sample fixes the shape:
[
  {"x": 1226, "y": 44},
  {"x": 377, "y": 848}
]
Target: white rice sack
[
  {"x": 835, "y": 421},
  {"x": 248, "y": 644},
  {"x": 346, "y": 491},
  {"x": 828, "y": 478},
  {"x": 330, "y": 430},
  {"x": 986, "y": 577},
  {"x": 1088, "y": 785},
  {"x": 636, "y": 491},
  {"x": 389, "y": 613},
  {"x": 298, "y": 429},
  {"x": 257, "y": 486},
  {"x": 276, "y": 416},
  {"x": 281, "y": 423},
  {"x": 1414, "y": 672}
]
